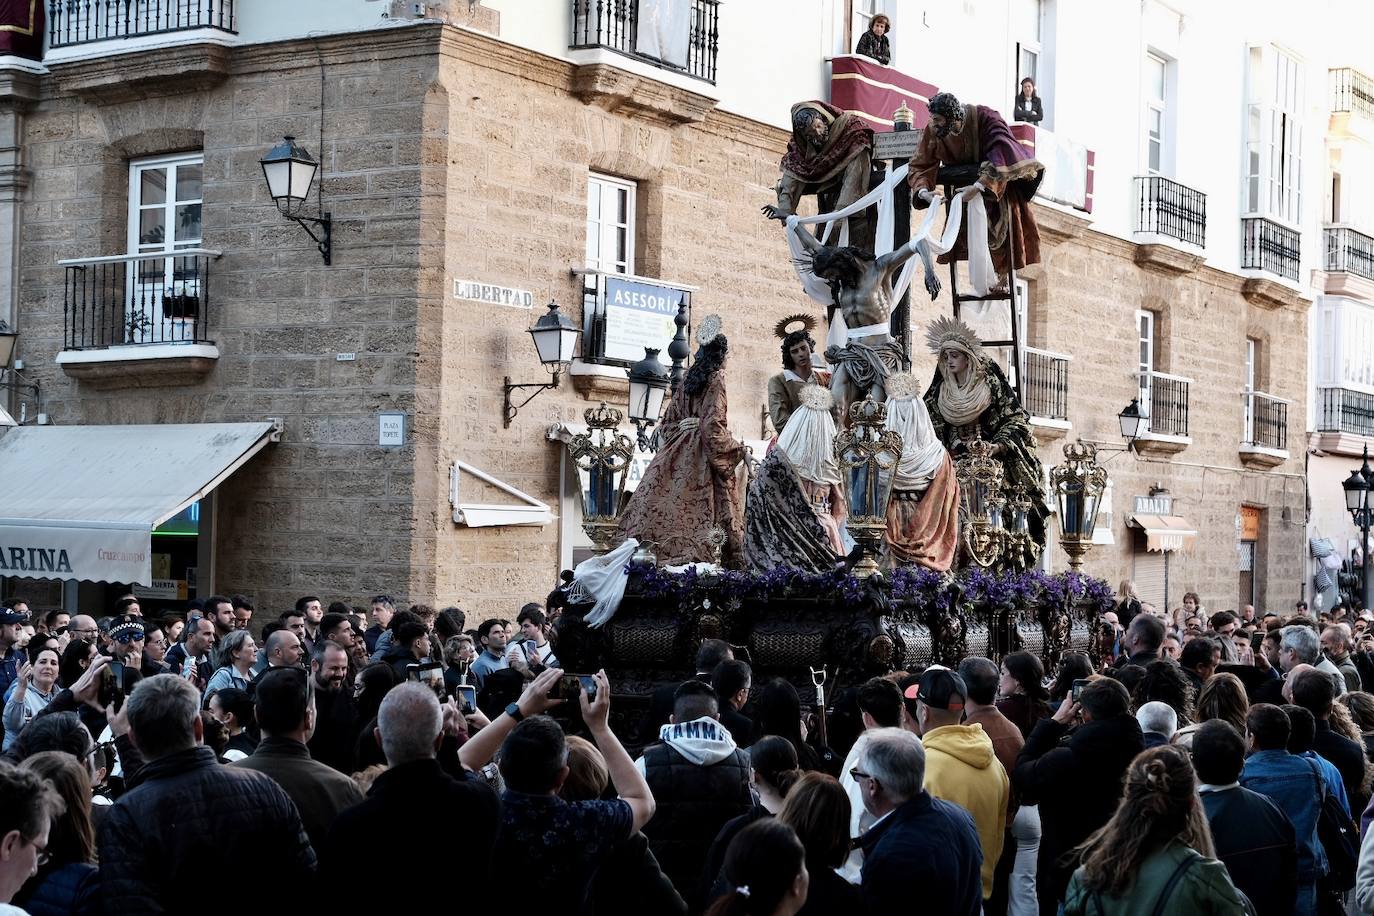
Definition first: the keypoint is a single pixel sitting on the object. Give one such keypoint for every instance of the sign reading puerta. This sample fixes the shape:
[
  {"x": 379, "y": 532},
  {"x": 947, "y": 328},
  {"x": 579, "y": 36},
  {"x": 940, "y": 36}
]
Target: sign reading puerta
[{"x": 639, "y": 315}]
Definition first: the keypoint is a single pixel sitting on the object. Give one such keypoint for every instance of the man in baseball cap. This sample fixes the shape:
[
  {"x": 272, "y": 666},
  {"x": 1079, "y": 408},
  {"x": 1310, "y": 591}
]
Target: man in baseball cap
[{"x": 961, "y": 766}]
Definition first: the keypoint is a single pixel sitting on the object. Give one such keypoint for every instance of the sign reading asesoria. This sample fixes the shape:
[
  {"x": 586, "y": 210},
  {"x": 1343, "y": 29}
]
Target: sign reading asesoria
[{"x": 639, "y": 315}]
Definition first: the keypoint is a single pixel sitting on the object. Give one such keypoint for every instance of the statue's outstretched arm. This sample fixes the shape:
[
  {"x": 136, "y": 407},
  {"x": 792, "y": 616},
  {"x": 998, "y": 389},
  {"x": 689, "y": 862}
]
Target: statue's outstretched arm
[{"x": 893, "y": 260}]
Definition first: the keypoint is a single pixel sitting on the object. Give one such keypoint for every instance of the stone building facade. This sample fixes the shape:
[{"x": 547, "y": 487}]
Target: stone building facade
[{"x": 450, "y": 155}]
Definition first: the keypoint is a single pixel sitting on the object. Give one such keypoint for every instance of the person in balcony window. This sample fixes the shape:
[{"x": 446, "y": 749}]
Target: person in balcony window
[
  {"x": 1027, "y": 105},
  {"x": 873, "y": 43}
]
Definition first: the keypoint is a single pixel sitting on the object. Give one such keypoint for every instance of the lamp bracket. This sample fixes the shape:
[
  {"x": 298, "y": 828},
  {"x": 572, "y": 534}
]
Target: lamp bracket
[
  {"x": 511, "y": 409},
  {"x": 1110, "y": 449},
  {"x": 15, "y": 381},
  {"x": 324, "y": 241}
]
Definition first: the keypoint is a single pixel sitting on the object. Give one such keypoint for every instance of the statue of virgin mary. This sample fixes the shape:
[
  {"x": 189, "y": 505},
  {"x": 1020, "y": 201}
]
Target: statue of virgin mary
[
  {"x": 794, "y": 516},
  {"x": 923, "y": 511},
  {"x": 970, "y": 398}
]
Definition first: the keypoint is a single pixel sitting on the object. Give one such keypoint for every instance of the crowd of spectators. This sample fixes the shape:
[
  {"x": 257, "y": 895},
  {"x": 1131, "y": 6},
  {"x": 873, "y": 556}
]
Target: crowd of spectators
[{"x": 153, "y": 765}]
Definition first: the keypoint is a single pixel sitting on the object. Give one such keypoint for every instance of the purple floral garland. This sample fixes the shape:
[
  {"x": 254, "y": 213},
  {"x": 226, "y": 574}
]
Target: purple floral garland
[{"x": 908, "y": 584}]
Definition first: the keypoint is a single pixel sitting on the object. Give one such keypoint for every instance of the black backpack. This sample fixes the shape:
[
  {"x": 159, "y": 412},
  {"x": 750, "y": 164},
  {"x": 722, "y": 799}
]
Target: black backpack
[{"x": 1340, "y": 838}]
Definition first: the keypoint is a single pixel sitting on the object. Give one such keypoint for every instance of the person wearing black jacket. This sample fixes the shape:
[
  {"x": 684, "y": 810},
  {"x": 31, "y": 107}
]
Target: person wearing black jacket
[
  {"x": 1143, "y": 638},
  {"x": 711, "y": 654},
  {"x": 1026, "y": 107},
  {"x": 1077, "y": 782},
  {"x": 1252, "y": 835},
  {"x": 873, "y": 42},
  {"x": 188, "y": 810},
  {"x": 1315, "y": 692},
  {"x": 732, "y": 679}
]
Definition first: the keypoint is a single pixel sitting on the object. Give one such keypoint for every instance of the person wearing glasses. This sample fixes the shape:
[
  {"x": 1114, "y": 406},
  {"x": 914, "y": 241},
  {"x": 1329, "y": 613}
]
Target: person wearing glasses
[
  {"x": 83, "y": 626},
  {"x": 28, "y": 805},
  {"x": 66, "y": 880}
]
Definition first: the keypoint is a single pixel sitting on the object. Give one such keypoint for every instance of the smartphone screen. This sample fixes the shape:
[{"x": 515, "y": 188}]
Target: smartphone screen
[
  {"x": 588, "y": 686},
  {"x": 1078, "y": 686},
  {"x": 467, "y": 698}
]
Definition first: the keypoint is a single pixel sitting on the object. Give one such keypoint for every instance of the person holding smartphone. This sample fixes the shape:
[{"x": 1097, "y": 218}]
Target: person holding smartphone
[{"x": 532, "y": 652}]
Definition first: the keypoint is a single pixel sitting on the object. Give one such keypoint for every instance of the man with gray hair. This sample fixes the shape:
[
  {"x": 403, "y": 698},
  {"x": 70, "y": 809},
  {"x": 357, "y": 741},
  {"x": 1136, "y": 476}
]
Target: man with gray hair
[
  {"x": 918, "y": 842},
  {"x": 1158, "y": 723},
  {"x": 188, "y": 810},
  {"x": 1299, "y": 645},
  {"x": 417, "y": 803}
]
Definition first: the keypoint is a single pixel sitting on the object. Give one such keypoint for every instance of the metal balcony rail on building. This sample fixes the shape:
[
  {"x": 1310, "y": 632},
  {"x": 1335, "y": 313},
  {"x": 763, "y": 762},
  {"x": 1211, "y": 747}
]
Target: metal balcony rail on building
[
  {"x": 1349, "y": 251},
  {"x": 1352, "y": 91},
  {"x": 1167, "y": 399},
  {"x": 1345, "y": 411},
  {"x": 1166, "y": 207},
  {"x": 137, "y": 299},
  {"x": 1269, "y": 247},
  {"x": 615, "y": 24},
  {"x": 1045, "y": 388},
  {"x": 75, "y": 22},
  {"x": 1266, "y": 420}
]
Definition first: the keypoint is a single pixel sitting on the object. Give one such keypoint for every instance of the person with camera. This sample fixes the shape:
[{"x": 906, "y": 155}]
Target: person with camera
[
  {"x": 1077, "y": 781},
  {"x": 191, "y": 658},
  {"x": 532, "y": 652},
  {"x": 560, "y": 844}
]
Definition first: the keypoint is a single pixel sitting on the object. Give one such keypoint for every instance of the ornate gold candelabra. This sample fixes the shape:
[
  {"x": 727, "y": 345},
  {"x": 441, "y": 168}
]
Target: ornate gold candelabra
[
  {"x": 867, "y": 454},
  {"x": 980, "y": 489},
  {"x": 602, "y": 455}
]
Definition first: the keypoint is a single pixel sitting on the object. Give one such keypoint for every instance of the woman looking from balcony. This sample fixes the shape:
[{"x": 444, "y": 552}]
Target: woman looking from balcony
[
  {"x": 873, "y": 43},
  {"x": 1026, "y": 107}
]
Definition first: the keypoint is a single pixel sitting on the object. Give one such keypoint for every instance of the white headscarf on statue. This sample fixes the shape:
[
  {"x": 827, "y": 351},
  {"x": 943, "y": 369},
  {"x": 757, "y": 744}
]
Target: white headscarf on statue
[
  {"x": 808, "y": 439},
  {"x": 959, "y": 403},
  {"x": 922, "y": 452}
]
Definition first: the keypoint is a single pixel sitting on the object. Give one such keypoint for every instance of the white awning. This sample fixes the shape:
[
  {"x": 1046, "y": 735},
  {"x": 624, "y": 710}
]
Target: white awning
[
  {"x": 1165, "y": 532},
  {"x": 81, "y": 502}
]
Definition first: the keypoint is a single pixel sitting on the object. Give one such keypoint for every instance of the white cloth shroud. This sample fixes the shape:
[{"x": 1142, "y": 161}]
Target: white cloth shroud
[
  {"x": 982, "y": 277},
  {"x": 603, "y": 580}
]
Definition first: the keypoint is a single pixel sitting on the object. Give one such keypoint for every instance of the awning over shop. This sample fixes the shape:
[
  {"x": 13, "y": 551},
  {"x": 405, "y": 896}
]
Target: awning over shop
[
  {"x": 81, "y": 502},
  {"x": 1165, "y": 532}
]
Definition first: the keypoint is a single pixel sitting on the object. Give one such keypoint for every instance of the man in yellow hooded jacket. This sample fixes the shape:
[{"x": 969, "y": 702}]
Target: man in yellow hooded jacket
[{"x": 961, "y": 766}]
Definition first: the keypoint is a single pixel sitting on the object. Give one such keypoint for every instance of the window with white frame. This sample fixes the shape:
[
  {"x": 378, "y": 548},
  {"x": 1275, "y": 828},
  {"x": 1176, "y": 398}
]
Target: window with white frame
[
  {"x": 1027, "y": 23},
  {"x": 1273, "y": 134},
  {"x": 1156, "y": 112},
  {"x": 164, "y": 217},
  {"x": 861, "y": 15},
  {"x": 610, "y": 224},
  {"x": 1146, "y": 323}
]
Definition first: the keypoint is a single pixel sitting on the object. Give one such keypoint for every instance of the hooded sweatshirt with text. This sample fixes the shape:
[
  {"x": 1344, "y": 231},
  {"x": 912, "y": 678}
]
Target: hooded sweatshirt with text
[
  {"x": 962, "y": 768},
  {"x": 702, "y": 741}
]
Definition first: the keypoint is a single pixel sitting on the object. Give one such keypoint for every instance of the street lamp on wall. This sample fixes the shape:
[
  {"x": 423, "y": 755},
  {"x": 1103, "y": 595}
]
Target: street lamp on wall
[
  {"x": 1133, "y": 422},
  {"x": 555, "y": 340},
  {"x": 1358, "y": 487},
  {"x": 648, "y": 384},
  {"x": 290, "y": 171}
]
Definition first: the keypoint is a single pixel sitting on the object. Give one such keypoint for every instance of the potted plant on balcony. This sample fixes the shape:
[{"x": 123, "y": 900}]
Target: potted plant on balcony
[
  {"x": 182, "y": 302},
  {"x": 137, "y": 324}
]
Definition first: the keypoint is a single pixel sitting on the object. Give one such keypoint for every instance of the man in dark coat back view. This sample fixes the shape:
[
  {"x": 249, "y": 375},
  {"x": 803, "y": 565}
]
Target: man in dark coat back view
[
  {"x": 420, "y": 807},
  {"x": 699, "y": 780},
  {"x": 1254, "y": 839},
  {"x": 187, "y": 811},
  {"x": 711, "y": 653},
  {"x": 1077, "y": 782}
]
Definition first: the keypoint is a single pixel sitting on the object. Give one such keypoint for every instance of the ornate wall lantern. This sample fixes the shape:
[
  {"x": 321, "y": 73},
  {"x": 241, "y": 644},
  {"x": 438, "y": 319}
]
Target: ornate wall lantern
[
  {"x": 867, "y": 453},
  {"x": 980, "y": 490},
  {"x": 555, "y": 340},
  {"x": 603, "y": 455},
  {"x": 1078, "y": 486}
]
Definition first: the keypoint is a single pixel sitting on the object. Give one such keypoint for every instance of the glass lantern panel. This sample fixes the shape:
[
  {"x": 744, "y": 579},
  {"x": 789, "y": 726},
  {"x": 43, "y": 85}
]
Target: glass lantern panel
[
  {"x": 302, "y": 176},
  {"x": 567, "y": 345},
  {"x": 278, "y": 178}
]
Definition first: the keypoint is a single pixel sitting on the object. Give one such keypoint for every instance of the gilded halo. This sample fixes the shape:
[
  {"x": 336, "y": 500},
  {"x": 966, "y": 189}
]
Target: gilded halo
[
  {"x": 945, "y": 331},
  {"x": 798, "y": 322}
]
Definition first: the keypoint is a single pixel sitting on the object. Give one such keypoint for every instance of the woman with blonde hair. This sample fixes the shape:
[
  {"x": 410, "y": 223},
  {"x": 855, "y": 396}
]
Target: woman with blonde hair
[
  {"x": 1127, "y": 602},
  {"x": 1155, "y": 854}
]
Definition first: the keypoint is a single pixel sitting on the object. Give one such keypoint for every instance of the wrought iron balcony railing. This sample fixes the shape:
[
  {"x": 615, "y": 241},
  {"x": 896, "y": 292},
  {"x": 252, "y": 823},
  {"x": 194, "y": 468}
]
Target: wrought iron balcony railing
[
  {"x": 688, "y": 45},
  {"x": 75, "y": 22},
  {"x": 1266, "y": 420},
  {"x": 1345, "y": 411},
  {"x": 1045, "y": 389},
  {"x": 1352, "y": 91},
  {"x": 1348, "y": 251},
  {"x": 1168, "y": 208},
  {"x": 1166, "y": 397},
  {"x": 137, "y": 299},
  {"x": 1269, "y": 247}
]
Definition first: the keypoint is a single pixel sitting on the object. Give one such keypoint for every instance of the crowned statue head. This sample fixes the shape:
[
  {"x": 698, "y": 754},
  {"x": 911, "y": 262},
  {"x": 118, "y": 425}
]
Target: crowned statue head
[
  {"x": 712, "y": 347},
  {"x": 962, "y": 365},
  {"x": 808, "y": 439}
]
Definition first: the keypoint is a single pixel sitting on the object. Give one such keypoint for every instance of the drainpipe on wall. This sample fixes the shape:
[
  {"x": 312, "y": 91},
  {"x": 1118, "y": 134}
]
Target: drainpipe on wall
[{"x": 18, "y": 93}]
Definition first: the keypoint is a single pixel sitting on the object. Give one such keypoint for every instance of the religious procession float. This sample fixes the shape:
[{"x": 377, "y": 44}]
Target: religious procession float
[{"x": 888, "y": 525}]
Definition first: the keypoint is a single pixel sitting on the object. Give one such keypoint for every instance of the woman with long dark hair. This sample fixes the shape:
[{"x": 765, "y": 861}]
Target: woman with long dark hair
[
  {"x": 777, "y": 711},
  {"x": 67, "y": 882},
  {"x": 76, "y": 658},
  {"x": 772, "y": 773},
  {"x": 1073, "y": 666},
  {"x": 818, "y": 810},
  {"x": 233, "y": 708},
  {"x": 690, "y": 490},
  {"x": 765, "y": 868},
  {"x": 1155, "y": 854}
]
